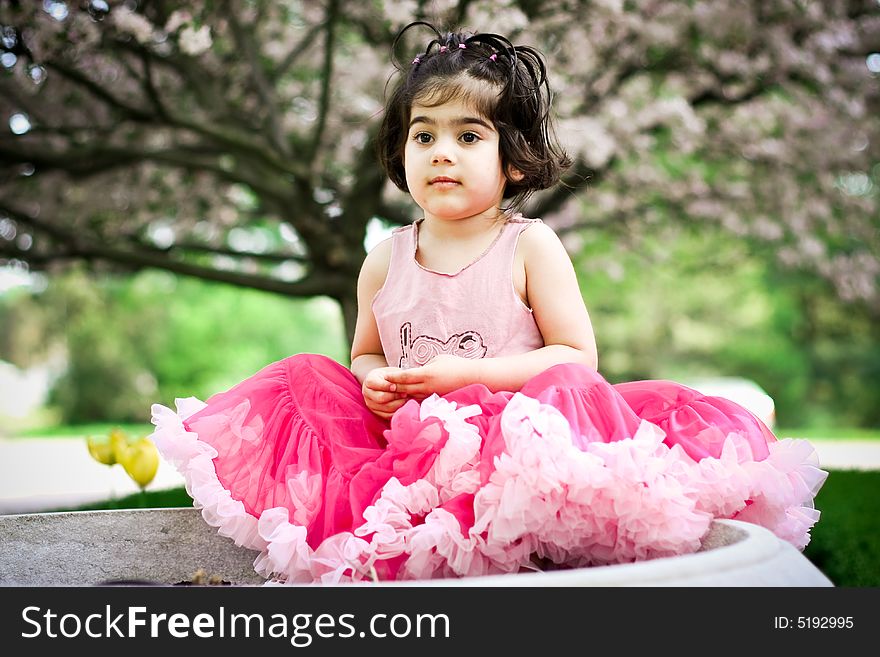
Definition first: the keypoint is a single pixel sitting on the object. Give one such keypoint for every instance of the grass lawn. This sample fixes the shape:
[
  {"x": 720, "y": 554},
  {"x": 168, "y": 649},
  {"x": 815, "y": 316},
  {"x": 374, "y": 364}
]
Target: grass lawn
[
  {"x": 829, "y": 433},
  {"x": 171, "y": 497},
  {"x": 83, "y": 430},
  {"x": 845, "y": 544},
  {"x": 846, "y": 540}
]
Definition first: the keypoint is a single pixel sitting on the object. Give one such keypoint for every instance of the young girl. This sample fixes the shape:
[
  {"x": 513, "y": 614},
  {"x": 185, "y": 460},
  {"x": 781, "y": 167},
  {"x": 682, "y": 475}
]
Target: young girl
[{"x": 472, "y": 434}]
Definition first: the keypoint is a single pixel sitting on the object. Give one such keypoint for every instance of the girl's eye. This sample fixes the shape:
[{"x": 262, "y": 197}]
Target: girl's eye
[
  {"x": 470, "y": 138},
  {"x": 422, "y": 137}
]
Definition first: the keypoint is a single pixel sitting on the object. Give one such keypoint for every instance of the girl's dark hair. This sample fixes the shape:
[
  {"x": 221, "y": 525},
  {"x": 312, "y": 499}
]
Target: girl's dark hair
[{"x": 507, "y": 84}]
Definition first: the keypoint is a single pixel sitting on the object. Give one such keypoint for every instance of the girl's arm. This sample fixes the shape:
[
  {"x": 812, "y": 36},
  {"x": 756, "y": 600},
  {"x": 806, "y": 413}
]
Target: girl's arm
[
  {"x": 366, "y": 347},
  {"x": 368, "y": 363},
  {"x": 559, "y": 311}
]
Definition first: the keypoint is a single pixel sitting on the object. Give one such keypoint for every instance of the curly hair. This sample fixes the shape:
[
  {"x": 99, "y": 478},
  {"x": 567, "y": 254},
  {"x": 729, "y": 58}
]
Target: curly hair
[{"x": 506, "y": 84}]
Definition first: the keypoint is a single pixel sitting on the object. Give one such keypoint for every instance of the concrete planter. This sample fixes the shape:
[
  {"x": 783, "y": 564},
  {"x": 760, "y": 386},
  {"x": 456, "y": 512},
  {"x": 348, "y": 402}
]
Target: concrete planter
[{"x": 168, "y": 546}]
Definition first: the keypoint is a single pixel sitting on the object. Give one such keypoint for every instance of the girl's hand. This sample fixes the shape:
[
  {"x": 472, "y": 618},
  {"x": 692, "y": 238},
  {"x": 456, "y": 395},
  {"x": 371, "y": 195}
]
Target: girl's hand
[
  {"x": 443, "y": 374},
  {"x": 379, "y": 393}
]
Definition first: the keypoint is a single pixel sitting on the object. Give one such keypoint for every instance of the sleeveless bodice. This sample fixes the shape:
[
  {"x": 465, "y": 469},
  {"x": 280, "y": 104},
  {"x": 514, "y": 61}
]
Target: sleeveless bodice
[{"x": 473, "y": 313}]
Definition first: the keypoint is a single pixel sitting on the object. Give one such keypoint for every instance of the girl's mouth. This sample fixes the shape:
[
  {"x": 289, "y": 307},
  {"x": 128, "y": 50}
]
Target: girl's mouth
[{"x": 443, "y": 180}]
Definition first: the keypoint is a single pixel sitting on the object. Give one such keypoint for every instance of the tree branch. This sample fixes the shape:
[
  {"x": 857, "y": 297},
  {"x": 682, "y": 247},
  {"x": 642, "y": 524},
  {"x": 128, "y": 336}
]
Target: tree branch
[
  {"x": 100, "y": 92},
  {"x": 151, "y": 89},
  {"x": 211, "y": 250},
  {"x": 264, "y": 88},
  {"x": 365, "y": 195},
  {"x": 99, "y": 159},
  {"x": 326, "y": 78},
  {"x": 199, "y": 80},
  {"x": 328, "y": 283},
  {"x": 297, "y": 51},
  {"x": 243, "y": 143}
]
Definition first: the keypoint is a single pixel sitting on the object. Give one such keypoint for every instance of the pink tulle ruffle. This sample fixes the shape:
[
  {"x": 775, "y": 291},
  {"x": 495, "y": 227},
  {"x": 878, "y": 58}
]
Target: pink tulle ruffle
[{"x": 523, "y": 494}]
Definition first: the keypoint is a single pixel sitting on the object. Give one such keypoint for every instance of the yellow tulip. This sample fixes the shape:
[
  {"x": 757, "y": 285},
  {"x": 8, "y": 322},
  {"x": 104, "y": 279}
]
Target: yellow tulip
[
  {"x": 102, "y": 451},
  {"x": 119, "y": 444},
  {"x": 141, "y": 461},
  {"x": 139, "y": 458}
]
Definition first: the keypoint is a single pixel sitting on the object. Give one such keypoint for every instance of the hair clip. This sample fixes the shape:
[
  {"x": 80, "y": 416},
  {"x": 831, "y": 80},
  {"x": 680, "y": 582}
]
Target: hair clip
[
  {"x": 493, "y": 57},
  {"x": 443, "y": 48},
  {"x": 416, "y": 60},
  {"x": 461, "y": 46}
]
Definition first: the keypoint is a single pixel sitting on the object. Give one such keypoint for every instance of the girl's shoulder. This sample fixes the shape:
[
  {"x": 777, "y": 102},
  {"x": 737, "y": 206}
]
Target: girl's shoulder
[
  {"x": 378, "y": 259},
  {"x": 533, "y": 228},
  {"x": 538, "y": 240}
]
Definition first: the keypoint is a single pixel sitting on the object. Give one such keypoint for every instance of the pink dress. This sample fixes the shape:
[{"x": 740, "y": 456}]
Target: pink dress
[{"x": 569, "y": 470}]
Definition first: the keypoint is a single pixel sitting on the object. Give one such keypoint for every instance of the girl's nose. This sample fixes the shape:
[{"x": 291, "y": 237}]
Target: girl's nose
[
  {"x": 441, "y": 156},
  {"x": 442, "y": 153}
]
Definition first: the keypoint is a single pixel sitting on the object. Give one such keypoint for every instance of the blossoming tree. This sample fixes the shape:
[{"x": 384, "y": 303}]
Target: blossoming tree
[{"x": 233, "y": 141}]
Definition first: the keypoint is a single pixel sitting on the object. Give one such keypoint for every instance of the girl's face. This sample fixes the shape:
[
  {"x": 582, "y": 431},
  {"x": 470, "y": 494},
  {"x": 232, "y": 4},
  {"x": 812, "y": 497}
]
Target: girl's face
[{"x": 452, "y": 162}]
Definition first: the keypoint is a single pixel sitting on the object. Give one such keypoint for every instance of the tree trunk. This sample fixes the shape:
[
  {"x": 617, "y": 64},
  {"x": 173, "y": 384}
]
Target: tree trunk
[{"x": 348, "y": 303}]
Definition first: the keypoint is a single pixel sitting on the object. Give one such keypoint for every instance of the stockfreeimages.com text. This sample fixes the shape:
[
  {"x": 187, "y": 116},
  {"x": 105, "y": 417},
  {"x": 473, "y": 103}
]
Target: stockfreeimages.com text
[{"x": 300, "y": 629}]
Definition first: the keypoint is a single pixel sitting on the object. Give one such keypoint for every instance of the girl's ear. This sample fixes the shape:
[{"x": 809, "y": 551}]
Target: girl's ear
[{"x": 514, "y": 174}]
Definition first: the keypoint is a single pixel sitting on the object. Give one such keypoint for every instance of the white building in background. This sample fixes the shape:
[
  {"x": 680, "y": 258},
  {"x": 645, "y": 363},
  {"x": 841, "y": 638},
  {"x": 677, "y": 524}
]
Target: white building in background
[{"x": 23, "y": 392}]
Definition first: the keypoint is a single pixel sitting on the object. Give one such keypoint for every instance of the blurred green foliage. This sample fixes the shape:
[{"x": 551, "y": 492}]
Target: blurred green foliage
[
  {"x": 691, "y": 301},
  {"x": 151, "y": 337}
]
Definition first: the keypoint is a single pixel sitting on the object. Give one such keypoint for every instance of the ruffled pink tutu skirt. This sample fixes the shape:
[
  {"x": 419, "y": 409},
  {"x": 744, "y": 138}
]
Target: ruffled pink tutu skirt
[{"x": 570, "y": 471}]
